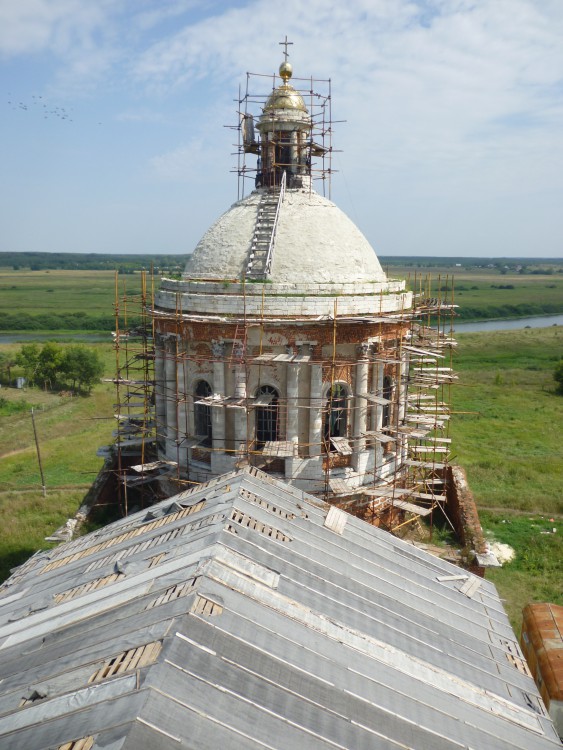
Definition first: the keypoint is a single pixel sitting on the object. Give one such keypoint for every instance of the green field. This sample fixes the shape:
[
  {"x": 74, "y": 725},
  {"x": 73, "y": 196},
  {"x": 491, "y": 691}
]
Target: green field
[
  {"x": 487, "y": 294},
  {"x": 509, "y": 441},
  {"x": 84, "y": 300},
  {"x": 70, "y": 429},
  {"x": 507, "y": 436},
  {"x": 46, "y": 292},
  {"x": 505, "y": 431},
  {"x": 60, "y": 300}
]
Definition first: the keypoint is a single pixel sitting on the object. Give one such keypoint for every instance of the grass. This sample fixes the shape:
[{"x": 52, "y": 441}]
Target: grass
[
  {"x": 507, "y": 437},
  {"x": 69, "y": 430},
  {"x": 484, "y": 294},
  {"x": 504, "y": 434},
  {"x": 536, "y": 572},
  {"x": 62, "y": 292},
  {"x": 64, "y": 300},
  {"x": 84, "y": 300}
]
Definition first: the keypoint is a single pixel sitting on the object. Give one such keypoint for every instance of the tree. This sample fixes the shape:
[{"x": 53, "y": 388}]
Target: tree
[
  {"x": 558, "y": 377},
  {"x": 49, "y": 363},
  {"x": 81, "y": 367},
  {"x": 7, "y": 361},
  {"x": 28, "y": 359}
]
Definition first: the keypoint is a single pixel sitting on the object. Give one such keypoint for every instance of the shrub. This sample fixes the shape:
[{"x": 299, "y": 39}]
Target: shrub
[{"x": 558, "y": 377}]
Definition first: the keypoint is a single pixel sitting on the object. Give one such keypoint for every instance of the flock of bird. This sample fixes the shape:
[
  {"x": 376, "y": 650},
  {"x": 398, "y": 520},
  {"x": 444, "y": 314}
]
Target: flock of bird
[
  {"x": 45, "y": 109},
  {"x": 39, "y": 105}
]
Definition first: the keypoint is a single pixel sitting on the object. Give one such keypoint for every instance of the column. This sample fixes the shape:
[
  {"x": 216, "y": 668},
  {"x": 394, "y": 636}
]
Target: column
[
  {"x": 402, "y": 454},
  {"x": 361, "y": 404},
  {"x": 185, "y": 400},
  {"x": 402, "y": 378},
  {"x": 170, "y": 395},
  {"x": 315, "y": 411},
  {"x": 240, "y": 392},
  {"x": 218, "y": 411},
  {"x": 293, "y": 405},
  {"x": 377, "y": 380},
  {"x": 159, "y": 387}
]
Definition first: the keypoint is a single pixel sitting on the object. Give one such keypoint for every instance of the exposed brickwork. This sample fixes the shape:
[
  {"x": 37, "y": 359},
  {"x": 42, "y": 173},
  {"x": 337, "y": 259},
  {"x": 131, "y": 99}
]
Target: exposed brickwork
[
  {"x": 462, "y": 512},
  {"x": 322, "y": 333}
]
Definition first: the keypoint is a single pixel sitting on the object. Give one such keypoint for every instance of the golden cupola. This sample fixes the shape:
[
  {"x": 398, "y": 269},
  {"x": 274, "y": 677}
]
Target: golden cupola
[{"x": 285, "y": 129}]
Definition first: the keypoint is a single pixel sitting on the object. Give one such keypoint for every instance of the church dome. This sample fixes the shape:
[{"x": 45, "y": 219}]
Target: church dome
[
  {"x": 315, "y": 242},
  {"x": 285, "y": 96}
]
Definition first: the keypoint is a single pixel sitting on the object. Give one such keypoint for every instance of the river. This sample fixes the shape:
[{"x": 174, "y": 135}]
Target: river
[{"x": 537, "y": 321}]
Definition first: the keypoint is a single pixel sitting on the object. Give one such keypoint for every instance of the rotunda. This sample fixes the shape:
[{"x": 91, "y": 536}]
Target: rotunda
[{"x": 283, "y": 344}]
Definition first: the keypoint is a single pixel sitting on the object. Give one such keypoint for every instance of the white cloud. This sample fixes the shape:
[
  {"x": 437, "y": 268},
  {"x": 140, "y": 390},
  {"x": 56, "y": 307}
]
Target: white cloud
[
  {"x": 141, "y": 116},
  {"x": 455, "y": 101},
  {"x": 32, "y": 26},
  {"x": 180, "y": 164},
  {"x": 191, "y": 162}
]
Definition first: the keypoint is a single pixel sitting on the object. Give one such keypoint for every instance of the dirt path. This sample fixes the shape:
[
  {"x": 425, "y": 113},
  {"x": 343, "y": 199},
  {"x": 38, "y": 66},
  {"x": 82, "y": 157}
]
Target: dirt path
[
  {"x": 15, "y": 453},
  {"x": 515, "y": 512}
]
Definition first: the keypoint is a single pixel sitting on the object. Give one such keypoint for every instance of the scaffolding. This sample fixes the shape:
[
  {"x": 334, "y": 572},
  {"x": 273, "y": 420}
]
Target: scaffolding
[
  {"x": 412, "y": 429},
  {"x": 373, "y": 416},
  {"x": 316, "y": 92},
  {"x": 134, "y": 447}
]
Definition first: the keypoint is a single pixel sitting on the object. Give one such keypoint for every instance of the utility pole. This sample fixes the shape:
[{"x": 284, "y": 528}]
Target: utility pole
[{"x": 43, "y": 487}]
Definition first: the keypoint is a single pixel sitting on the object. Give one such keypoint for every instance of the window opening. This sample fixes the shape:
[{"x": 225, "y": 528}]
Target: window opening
[
  {"x": 336, "y": 416},
  {"x": 202, "y": 414},
  {"x": 267, "y": 417}
]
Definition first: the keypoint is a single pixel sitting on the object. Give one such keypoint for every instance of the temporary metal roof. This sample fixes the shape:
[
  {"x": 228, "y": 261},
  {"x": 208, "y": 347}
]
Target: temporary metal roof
[{"x": 245, "y": 613}]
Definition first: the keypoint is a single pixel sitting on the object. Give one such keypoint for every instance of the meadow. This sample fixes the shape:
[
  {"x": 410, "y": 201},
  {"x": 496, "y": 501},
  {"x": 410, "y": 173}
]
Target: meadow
[
  {"x": 488, "y": 294},
  {"x": 84, "y": 299},
  {"x": 505, "y": 428},
  {"x": 506, "y": 432},
  {"x": 70, "y": 429},
  {"x": 62, "y": 299}
]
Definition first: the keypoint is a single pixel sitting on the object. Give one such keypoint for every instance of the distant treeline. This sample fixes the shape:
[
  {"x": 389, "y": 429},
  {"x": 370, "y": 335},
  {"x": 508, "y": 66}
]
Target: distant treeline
[
  {"x": 91, "y": 262},
  {"x": 78, "y": 321},
  {"x": 501, "y": 265},
  {"x": 522, "y": 310},
  {"x": 128, "y": 263}
]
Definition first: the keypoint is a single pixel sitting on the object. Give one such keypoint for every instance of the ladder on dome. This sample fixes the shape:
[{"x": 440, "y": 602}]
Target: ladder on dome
[{"x": 264, "y": 237}]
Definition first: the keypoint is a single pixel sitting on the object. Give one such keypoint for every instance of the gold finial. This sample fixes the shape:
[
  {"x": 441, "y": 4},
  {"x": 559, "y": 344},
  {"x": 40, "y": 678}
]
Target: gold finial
[{"x": 286, "y": 71}]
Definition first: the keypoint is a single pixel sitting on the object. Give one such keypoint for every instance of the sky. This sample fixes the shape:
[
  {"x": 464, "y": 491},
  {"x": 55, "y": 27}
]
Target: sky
[{"x": 448, "y": 119}]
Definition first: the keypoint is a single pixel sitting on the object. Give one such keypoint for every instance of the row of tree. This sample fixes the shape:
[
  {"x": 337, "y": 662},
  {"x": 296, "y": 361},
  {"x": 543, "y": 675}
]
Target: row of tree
[
  {"x": 54, "y": 367},
  {"x": 22, "y": 321},
  {"x": 124, "y": 262}
]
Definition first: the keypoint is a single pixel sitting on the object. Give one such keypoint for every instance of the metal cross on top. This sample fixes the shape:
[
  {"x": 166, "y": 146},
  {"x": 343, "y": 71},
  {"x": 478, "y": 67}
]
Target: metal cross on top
[{"x": 286, "y": 44}]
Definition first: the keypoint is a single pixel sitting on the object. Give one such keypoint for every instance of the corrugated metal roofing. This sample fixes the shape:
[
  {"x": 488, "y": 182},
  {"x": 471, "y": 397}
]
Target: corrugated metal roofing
[{"x": 242, "y": 614}]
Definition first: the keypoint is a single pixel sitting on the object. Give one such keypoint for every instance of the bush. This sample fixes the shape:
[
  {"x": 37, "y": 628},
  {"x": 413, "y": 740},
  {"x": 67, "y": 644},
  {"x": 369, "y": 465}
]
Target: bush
[
  {"x": 81, "y": 367},
  {"x": 76, "y": 366},
  {"x": 13, "y": 407},
  {"x": 558, "y": 377}
]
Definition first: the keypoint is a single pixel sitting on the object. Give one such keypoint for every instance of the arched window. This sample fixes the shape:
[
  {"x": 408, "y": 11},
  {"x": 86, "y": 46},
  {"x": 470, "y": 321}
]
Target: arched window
[
  {"x": 336, "y": 415},
  {"x": 267, "y": 415},
  {"x": 387, "y": 393},
  {"x": 202, "y": 414}
]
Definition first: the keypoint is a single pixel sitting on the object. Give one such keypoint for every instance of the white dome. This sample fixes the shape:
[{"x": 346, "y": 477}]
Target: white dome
[{"x": 315, "y": 242}]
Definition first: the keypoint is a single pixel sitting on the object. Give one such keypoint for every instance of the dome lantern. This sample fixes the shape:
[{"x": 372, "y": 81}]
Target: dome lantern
[{"x": 285, "y": 129}]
